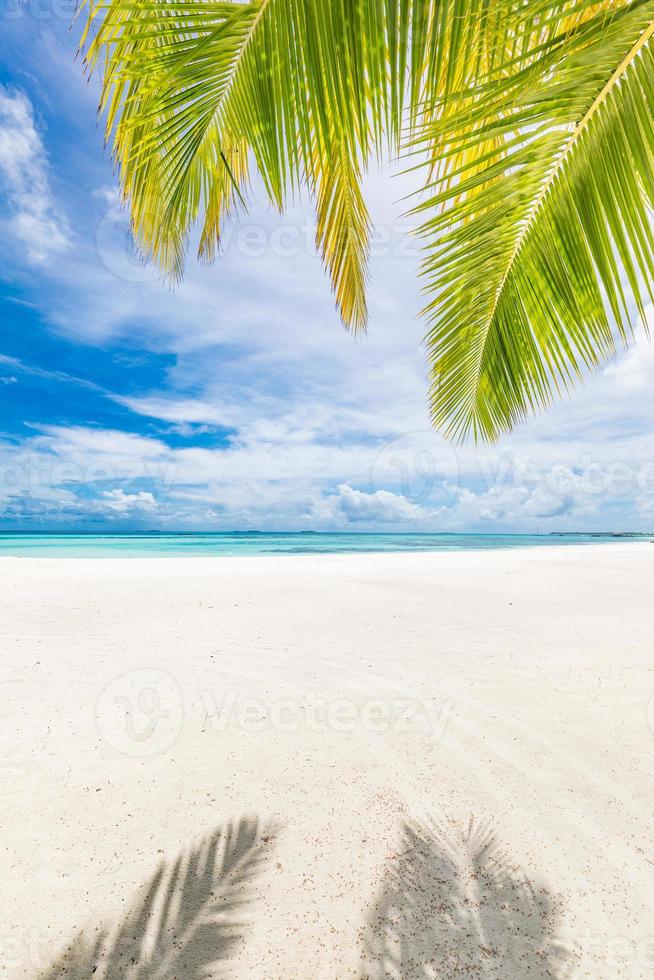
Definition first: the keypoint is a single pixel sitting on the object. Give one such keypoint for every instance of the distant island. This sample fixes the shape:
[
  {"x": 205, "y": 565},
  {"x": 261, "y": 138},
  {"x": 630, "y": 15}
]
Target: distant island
[{"x": 603, "y": 534}]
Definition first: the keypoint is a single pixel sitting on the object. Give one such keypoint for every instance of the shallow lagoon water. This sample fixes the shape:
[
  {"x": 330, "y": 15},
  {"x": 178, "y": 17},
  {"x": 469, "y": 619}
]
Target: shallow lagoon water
[{"x": 153, "y": 545}]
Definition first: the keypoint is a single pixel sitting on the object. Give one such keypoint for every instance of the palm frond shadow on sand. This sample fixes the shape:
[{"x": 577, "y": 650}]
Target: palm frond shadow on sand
[
  {"x": 452, "y": 906},
  {"x": 187, "y": 923}
]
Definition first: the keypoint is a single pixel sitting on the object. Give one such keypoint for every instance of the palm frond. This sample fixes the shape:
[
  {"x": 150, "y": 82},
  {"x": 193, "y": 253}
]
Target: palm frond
[
  {"x": 191, "y": 89},
  {"x": 535, "y": 119},
  {"x": 542, "y": 226},
  {"x": 343, "y": 231},
  {"x": 168, "y": 72}
]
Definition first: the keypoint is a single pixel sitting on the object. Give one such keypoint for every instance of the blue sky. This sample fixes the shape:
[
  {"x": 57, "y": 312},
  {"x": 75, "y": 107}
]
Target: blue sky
[{"x": 237, "y": 400}]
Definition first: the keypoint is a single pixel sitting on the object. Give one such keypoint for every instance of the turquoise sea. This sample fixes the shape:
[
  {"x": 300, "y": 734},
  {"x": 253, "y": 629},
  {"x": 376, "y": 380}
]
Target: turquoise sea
[{"x": 157, "y": 544}]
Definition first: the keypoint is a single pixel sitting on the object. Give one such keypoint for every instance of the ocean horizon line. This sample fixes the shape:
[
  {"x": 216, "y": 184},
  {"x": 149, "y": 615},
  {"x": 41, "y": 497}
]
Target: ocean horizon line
[
  {"x": 143, "y": 544},
  {"x": 52, "y": 532}
]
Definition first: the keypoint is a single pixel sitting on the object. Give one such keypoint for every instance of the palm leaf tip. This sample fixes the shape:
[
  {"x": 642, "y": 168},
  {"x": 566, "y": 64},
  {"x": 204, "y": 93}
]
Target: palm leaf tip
[{"x": 343, "y": 228}]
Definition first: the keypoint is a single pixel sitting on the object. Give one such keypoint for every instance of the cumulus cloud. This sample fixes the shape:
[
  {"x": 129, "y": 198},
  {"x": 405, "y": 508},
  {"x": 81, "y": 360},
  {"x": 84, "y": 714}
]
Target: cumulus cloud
[
  {"x": 524, "y": 493},
  {"x": 35, "y": 219},
  {"x": 380, "y": 507},
  {"x": 123, "y": 503},
  {"x": 256, "y": 485}
]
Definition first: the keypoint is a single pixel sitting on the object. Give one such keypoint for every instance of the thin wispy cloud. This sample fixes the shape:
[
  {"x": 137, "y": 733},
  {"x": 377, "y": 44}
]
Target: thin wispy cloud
[{"x": 35, "y": 220}]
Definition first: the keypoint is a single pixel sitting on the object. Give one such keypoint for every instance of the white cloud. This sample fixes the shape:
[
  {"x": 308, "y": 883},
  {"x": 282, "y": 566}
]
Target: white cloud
[
  {"x": 380, "y": 507},
  {"x": 330, "y": 431},
  {"x": 123, "y": 503},
  {"x": 181, "y": 410},
  {"x": 109, "y": 194},
  {"x": 256, "y": 485},
  {"x": 632, "y": 373},
  {"x": 80, "y": 442},
  {"x": 35, "y": 219}
]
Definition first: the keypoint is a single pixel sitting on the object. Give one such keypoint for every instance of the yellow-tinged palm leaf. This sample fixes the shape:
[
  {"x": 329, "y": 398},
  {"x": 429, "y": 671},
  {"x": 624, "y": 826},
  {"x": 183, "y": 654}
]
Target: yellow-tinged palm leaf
[
  {"x": 343, "y": 231},
  {"x": 528, "y": 242},
  {"x": 529, "y": 258},
  {"x": 193, "y": 88}
]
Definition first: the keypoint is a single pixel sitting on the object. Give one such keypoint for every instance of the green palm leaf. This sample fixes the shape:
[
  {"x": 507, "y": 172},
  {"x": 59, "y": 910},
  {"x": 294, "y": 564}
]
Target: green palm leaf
[
  {"x": 531, "y": 252},
  {"x": 308, "y": 89},
  {"x": 190, "y": 85},
  {"x": 535, "y": 119}
]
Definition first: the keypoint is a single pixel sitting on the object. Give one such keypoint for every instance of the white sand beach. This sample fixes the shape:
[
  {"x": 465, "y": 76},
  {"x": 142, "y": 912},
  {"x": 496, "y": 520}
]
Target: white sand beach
[{"x": 449, "y": 758}]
